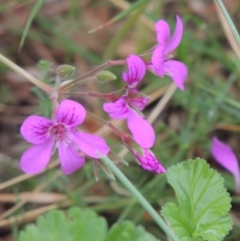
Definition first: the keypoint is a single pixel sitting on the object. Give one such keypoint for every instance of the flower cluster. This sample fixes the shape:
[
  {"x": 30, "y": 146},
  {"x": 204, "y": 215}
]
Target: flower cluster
[{"x": 61, "y": 132}]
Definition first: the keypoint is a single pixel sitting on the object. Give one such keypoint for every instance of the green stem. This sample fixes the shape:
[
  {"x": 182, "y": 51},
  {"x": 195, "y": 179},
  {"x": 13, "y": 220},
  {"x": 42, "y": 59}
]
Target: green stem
[
  {"x": 230, "y": 22},
  {"x": 109, "y": 63},
  {"x": 139, "y": 197}
]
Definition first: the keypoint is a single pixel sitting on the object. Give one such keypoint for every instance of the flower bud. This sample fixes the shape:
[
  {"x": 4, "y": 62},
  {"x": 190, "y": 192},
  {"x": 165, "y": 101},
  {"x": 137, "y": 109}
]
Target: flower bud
[
  {"x": 65, "y": 71},
  {"x": 105, "y": 76}
]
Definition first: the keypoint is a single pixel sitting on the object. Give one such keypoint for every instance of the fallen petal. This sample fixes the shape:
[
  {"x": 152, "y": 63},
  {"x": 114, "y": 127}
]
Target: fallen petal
[
  {"x": 163, "y": 32},
  {"x": 118, "y": 109},
  {"x": 225, "y": 156},
  {"x": 69, "y": 157},
  {"x": 136, "y": 71},
  {"x": 70, "y": 113},
  {"x": 177, "y": 71},
  {"x": 35, "y": 129},
  {"x": 176, "y": 38},
  {"x": 141, "y": 129},
  {"x": 36, "y": 158},
  {"x": 90, "y": 144}
]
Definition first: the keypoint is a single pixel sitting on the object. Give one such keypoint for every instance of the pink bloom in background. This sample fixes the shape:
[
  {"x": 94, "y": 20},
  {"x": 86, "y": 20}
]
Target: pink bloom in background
[
  {"x": 136, "y": 71},
  {"x": 161, "y": 65},
  {"x": 44, "y": 134},
  {"x": 225, "y": 156},
  {"x": 149, "y": 162}
]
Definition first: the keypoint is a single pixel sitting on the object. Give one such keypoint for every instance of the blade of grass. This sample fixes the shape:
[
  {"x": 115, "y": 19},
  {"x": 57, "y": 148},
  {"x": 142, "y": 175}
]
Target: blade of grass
[
  {"x": 33, "y": 14},
  {"x": 122, "y": 14},
  {"x": 109, "y": 53},
  {"x": 229, "y": 20},
  {"x": 225, "y": 98}
]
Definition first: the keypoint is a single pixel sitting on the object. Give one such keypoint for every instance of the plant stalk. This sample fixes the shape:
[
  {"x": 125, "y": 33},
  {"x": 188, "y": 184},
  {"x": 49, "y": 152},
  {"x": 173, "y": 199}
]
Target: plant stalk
[{"x": 157, "y": 218}]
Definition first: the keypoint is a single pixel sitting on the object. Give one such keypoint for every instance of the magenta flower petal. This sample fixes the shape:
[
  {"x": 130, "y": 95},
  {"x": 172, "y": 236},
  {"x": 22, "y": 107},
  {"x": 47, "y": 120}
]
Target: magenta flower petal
[
  {"x": 36, "y": 158},
  {"x": 158, "y": 60},
  {"x": 225, "y": 156},
  {"x": 176, "y": 38},
  {"x": 139, "y": 102},
  {"x": 149, "y": 162},
  {"x": 69, "y": 157},
  {"x": 163, "y": 32},
  {"x": 70, "y": 113},
  {"x": 35, "y": 128},
  {"x": 177, "y": 71},
  {"x": 118, "y": 109},
  {"x": 136, "y": 71},
  {"x": 141, "y": 130},
  {"x": 90, "y": 144}
]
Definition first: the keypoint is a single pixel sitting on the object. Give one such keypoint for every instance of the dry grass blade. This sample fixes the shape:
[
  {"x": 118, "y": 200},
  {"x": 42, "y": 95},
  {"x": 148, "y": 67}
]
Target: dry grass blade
[
  {"x": 227, "y": 127},
  {"x": 162, "y": 103},
  {"x": 22, "y": 202},
  {"x": 29, "y": 77},
  {"x": 33, "y": 197},
  {"x": 31, "y": 215},
  {"x": 25, "y": 176}
]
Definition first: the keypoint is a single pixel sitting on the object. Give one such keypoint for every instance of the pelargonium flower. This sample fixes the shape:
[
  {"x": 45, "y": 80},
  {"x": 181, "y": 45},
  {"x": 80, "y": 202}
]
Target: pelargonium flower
[
  {"x": 160, "y": 62},
  {"x": 225, "y": 156},
  {"x": 136, "y": 71},
  {"x": 149, "y": 162},
  {"x": 44, "y": 134},
  {"x": 128, "y": 107}
]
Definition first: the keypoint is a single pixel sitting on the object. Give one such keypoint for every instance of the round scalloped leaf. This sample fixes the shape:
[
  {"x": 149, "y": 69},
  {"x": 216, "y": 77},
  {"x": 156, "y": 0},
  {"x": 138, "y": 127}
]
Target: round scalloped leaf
[
  {"x": 81, "y": 225},
  {"x": 127, "y": 231},
  {"x": 202, "y": 213},
  {"x": 77, "y": 225}
]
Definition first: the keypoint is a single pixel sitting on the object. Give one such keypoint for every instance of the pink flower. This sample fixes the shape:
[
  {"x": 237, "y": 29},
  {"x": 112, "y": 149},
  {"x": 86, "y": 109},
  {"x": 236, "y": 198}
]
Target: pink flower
[
  {"x": 129, "y": 105},
  {"x": 149, "y": 162},
  {"x": 125, "y": 108},
  {"x": 136, "y": 71},
  {"x": 225, "y": 156},
  {"x": 161, "y": 65},
  {"x": 44, "y": 134}
]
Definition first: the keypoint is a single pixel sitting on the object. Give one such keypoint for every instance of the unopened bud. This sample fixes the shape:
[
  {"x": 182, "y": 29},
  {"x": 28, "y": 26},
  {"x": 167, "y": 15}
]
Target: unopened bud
[
  {"x": 65, "y": 71},
  {"x": 105, "y": 76}
]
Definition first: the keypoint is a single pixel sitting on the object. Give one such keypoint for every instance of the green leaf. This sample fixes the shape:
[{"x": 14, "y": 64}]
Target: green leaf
[
  {"x": 202, "y": 213},
  {"x": 127, "y": 231},
  {"x": 81, "y": 225},
  {"x": 87, "y": 226},
  {"x": 77, "y": 225}
]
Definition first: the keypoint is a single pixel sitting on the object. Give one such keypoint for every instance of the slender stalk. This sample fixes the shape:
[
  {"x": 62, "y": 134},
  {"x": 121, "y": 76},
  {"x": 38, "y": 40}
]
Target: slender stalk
[
  {"x": 48, "y": 89},
  {"x": 94, "y": 71},
  {"x": 139, "y": 197},
  {"x": 230, "y": 22}
]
